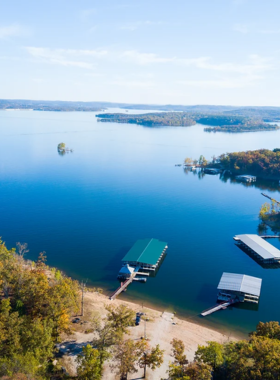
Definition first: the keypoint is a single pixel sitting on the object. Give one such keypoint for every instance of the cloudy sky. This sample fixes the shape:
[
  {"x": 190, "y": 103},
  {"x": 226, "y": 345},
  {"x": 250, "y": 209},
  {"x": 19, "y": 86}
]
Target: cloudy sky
[{"x": 141, "y": 51}]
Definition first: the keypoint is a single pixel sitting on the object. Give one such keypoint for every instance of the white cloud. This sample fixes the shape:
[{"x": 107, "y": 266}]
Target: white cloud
[
  {"x": 151, "y": 58},
  {"x": 144, "y": 58},
  {"x": 255, "y": 63},
  {"x": 13, "y": 30},
  {"x": 222, "y": 83},
  {"x": 66, "y": 57}
]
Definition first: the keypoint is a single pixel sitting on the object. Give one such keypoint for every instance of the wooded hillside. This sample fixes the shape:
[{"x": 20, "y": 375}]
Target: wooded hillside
[{"x": 262, "y": 162}]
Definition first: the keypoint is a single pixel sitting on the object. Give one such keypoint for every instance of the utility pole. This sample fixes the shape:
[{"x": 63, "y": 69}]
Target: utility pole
[
  {"x": 145, "y": 337},
  {"x": 83, "y": 285}
]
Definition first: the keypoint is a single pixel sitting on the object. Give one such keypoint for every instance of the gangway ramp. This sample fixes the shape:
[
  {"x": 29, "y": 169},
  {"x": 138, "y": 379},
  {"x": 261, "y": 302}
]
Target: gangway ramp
[
  {"x": 215, "y": 308},
  {"x": 124, "y": 285}
]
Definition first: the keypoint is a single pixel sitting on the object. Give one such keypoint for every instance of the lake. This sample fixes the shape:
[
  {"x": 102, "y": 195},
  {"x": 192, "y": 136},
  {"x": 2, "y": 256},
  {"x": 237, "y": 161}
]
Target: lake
[{"x": 87, "y": 208}]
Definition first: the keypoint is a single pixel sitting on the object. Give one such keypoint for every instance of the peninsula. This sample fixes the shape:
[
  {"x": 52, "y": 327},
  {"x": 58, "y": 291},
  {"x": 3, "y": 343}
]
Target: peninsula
[
  {"x": 263, "y": 163},
  {"x": 172, "y": 119},
  {"x": 214, "y": 122}
]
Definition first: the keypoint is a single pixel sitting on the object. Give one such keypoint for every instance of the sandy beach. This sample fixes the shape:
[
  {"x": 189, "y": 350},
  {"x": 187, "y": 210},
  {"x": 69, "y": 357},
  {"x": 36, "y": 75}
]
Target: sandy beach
[{"x": 160, "y": 329}]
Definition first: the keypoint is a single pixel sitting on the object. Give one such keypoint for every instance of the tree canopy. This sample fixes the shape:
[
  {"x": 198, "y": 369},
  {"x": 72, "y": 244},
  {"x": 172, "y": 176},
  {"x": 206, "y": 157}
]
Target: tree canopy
[
  {"x": 262, "y": 162},
  {"x": 34, "y": 309}
]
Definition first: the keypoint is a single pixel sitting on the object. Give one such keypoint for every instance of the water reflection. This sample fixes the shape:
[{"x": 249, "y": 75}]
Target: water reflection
[
  {"x": 271, "y": 185},
  {"x": 257, "y": 260}
]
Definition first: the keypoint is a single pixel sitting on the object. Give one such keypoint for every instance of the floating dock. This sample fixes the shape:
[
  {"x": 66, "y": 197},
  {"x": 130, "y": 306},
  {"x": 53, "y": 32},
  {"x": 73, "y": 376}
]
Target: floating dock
[
  {"x": 258, "y": 247},
  {"x": 234, "y": 288},
  {"x": 212, "y": 171},
  {"x": 142, "y": 259},
  {"x": 246, "y": 178},
  {"x": 145, "y": 254},
  {"x": 215, "y": 308}
]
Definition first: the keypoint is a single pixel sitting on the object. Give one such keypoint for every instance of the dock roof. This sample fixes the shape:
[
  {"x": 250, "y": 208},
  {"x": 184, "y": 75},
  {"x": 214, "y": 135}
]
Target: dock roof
[
  {"x": 240, "y": 283},
  {"x": 146, "y": 251},
  {"x": 260, "y": 246}
]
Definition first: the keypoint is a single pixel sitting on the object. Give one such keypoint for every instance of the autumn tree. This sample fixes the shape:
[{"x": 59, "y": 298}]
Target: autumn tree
[
  {"x": 264, "y": 211},
  {"x": 89, "y": 366},
  {"x": 202, "y": 161},
  {"x": 178, "y": 349},
  {"x": 34, "y": 309},
  {"x": 121, "y": 317},
  {"x": 105, "y": 337},
  {"x": 211, "y": 354},
  {"x": 198, "y": 371},
  {"x": 126, "y": 355},
  {"x": 150, "y": 357},
  {"x": 256, "y": 359},
  {"x": 268, "y": 330},
  {"x": 110, "y": 330},
  {"x": 188, "y": 161},
  {"x": 177, "y": 369}
]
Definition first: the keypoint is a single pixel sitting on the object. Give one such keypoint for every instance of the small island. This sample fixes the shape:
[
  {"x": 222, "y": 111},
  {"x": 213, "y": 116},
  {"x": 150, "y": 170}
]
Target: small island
[
  {"x": 62, "y": 149},
  {"x": 214, "y": 122}
]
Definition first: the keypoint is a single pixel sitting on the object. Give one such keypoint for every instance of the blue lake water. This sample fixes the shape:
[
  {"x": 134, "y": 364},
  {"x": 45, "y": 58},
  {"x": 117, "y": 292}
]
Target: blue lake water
[{"x": 87, "y": 208}]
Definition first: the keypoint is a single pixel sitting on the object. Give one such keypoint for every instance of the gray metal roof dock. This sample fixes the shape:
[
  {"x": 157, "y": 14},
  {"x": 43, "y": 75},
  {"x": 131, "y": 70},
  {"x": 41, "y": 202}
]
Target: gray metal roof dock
[
  {"x": 240, "y": 283},
  {"x": 146, "y": 252},
  {"x": 260, "y": 247}
]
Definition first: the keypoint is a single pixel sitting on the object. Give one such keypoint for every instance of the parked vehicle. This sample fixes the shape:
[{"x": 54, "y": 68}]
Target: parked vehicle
[
  {"x": 138, "y": 319},
  {"x": 76, "y": 320}
]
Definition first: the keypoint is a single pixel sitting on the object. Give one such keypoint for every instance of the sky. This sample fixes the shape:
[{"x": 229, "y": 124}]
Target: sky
[{"x": 220, "y": 52}]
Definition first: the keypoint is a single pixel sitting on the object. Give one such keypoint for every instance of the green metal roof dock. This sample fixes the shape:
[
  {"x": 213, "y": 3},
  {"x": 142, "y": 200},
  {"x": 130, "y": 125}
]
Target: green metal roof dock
[{"x": 146, "y": 252}]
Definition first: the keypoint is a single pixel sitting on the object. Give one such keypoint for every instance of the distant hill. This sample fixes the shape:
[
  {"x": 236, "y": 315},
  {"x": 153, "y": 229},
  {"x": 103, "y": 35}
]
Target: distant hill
[{"x": 266, "y": 114}]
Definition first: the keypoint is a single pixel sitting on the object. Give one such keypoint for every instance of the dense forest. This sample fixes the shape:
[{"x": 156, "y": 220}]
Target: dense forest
[
  {"x": 263, "y": 163},
  {"x": 236, "y": 124},
  {"x": 174, "y": 119},
  {"x": 36, "y": 306},
  {"x": 217, "y": 123}
]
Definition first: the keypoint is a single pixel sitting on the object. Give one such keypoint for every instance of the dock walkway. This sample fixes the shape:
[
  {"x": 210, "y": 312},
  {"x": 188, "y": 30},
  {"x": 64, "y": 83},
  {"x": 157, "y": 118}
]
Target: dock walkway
[
  {"x": 125, "y": 284},
  {"x": 215, "y": 308}
]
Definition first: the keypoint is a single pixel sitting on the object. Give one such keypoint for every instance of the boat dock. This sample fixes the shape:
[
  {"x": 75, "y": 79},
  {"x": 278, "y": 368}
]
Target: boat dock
[
  {"x": 270, "y": 236},
  {"x": 123, "y": 286},
  {"x": 259, "y": 248},
  {"x": 143, "y": 258},
  {"x": 223, "y": 305}
]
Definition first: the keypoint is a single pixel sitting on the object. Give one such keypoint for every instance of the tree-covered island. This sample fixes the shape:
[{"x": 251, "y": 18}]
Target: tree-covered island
[
  {"x": 171, "y": 119},
  {"x": 62, "y": 149},
  {"x": 215, "y": 123}
]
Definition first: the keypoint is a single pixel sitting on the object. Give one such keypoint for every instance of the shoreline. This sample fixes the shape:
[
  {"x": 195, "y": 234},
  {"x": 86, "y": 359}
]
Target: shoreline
[
  {"x": 139, "y": 303},
  {"x": 160, "y": 328}
]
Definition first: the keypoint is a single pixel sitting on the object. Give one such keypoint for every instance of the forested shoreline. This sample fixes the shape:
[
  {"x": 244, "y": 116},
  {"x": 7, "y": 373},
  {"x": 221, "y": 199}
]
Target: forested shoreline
[
  {"x": 36, "y": 308},
  {"x": 264, "y": 163},
  {"x": 215, "y": 123}
]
